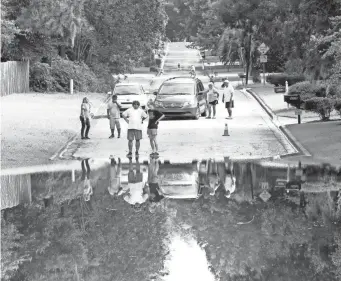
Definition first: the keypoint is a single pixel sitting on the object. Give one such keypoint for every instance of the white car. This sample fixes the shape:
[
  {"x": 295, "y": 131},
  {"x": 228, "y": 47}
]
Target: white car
[{"x": 129, "y": 92}]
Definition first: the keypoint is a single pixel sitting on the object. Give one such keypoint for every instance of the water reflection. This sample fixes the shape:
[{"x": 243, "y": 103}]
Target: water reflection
[{"x": 253, "y": 220}]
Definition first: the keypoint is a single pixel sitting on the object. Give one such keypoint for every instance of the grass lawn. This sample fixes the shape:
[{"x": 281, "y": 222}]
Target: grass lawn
[
  {"x": 34, "y": 125},
  {"x": 321, "y": 139}
]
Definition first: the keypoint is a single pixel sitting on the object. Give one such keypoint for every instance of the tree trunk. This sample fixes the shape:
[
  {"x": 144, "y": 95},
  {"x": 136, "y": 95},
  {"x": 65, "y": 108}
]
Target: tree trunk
[
  {"x": 248, "y": 59},
  {"x": 62, "y": 50}
]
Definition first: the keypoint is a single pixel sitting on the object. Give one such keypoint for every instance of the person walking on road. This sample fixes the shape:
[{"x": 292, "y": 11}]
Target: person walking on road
[
  {"x": 179, "y": 66},
  {"x": 85, "y": 117},
  {"x": 113, "y": 112},
  {"x": 192, "y": 71},
  {"x": 228, "y": 96},
  {"x": 154, "y": 118},
  {"x": 212, "y": 97},
  {"x": 134, "y": 116}
]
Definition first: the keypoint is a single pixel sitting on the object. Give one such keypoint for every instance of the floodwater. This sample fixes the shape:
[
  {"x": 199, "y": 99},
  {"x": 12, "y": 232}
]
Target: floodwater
[{"x": 111, "y": 219}]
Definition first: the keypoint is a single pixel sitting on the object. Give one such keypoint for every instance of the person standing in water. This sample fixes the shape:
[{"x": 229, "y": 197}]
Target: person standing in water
[
  {"x": 154, "y": 118},
  {"x": 212, "y": 97},
  {"x": 85, "y": 117},
  {"x": 113, "y": 112},
  {"x": 228, "y": 96}
]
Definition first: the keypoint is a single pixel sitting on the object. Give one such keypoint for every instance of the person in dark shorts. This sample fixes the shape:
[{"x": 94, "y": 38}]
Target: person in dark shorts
[
  {"x": 228, "y": 96},
  {"x": 154, "y": 118},
  {"x": 212, "y": 97},
  {"x": 134, "y": 116}
]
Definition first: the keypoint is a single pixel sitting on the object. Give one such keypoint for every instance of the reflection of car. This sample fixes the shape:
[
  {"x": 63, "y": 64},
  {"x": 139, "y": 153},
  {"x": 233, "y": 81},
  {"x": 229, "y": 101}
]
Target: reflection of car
[
  {"x": 181, "y": 97},
  {"x": 128, "y": 92},
  {"x": 179, "y": 182}
]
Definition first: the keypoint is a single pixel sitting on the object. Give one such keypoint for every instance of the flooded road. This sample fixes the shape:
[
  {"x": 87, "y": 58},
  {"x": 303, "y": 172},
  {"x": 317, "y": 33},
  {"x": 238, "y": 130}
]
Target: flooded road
[{"x": 113, "y": 219}]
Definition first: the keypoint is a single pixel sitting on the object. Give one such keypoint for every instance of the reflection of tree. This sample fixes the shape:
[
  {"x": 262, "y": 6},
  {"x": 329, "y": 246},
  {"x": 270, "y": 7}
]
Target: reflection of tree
[
  {"x": 280, "y": 235},
  {"x": 109, "y": 241}
]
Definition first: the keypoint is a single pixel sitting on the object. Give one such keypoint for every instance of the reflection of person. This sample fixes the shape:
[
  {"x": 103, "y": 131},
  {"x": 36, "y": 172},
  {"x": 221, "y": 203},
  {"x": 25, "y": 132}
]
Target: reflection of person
[
  {"x": 203, "y": 171},
  {"x": 213, "y": 177},
  {"x": 115, "y": 178},
  {"x": 154, "y": 118},
  {"x": 136, "y": 191},
  {"x": 85, "y": 116},
  {"x": 113, "y": 112},
  {"x": 134, "y": 116},
  {"x": 153, "y": 181},
  {"x": 87, "y": 191},
  {"x": 230, "y": 179}
]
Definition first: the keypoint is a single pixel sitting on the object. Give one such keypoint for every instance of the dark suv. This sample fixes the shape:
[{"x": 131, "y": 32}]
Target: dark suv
[{"x": 180, "y": 97}]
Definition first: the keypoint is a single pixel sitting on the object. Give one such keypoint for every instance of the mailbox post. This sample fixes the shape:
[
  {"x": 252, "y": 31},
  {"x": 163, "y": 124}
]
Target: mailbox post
[{"x": 296, "y": 100}]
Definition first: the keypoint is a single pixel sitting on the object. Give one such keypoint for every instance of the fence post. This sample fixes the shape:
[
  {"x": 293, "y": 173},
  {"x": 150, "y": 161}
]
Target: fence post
[{"x": 71, "y": 86}]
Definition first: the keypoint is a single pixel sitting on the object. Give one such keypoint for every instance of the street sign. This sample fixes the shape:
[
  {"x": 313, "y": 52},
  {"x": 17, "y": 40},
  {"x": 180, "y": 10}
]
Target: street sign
[
  {"x": 298, "y": 112},
  {"x": 264, "y": 185},
  {"x": 263, "y": 58},
  {"x": 265, "y": 196},
  {"x": 263, "y": 49}
]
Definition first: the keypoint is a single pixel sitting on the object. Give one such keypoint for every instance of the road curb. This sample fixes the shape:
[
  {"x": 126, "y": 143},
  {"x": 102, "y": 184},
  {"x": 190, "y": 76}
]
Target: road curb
[
  {"x": 295, "y": 143},
  {"x": 74, "y": 137}
]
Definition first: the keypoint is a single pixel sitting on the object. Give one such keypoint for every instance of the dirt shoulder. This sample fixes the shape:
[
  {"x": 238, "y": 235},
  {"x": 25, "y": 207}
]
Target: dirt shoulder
[{"x": 34, "y": 126}]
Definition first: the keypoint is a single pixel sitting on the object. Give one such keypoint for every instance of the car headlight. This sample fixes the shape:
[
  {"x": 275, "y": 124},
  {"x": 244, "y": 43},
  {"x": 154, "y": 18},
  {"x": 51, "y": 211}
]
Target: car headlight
[
  {"x": 190, "y": 103},
  {"x": 157, "y": 103}
]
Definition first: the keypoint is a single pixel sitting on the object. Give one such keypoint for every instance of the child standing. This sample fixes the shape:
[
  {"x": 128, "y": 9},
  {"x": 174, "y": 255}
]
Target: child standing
[
  {"x": 154, "y": 118},
  {"x": 113, "y": 112}
]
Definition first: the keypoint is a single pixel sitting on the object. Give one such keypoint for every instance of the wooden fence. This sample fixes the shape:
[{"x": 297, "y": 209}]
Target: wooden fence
[
  {"x": 14, "y": 77},
  {"x": 15, "y": 190}
]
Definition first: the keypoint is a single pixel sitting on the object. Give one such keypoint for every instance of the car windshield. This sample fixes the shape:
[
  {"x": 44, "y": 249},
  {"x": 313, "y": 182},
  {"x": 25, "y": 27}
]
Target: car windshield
[
  {"x": 177, "y": 89},
  {"x": 127, "y": 90}
]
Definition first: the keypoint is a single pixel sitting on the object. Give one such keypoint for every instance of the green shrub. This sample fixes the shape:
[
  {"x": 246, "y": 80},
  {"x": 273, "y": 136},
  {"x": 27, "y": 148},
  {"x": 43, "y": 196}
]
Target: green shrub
[
  {"x": 335, "y": 90},
  {"x": 307, "y": 90},
  {"x": 154, "y": 69},
  {"x": 84, "y": 80},
  {"x": 40, "y": 77},
  {"x": 279, "y": 79},
  {"x": 45, "y": 78},
  {"x": 337, "y": 106},
  {"x": 322, "y": 106}
]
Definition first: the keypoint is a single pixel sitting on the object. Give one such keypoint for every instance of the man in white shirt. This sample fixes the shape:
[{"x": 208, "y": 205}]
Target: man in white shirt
[
  {"x": 228, "y": 96},
  {"x": 134, "y": 116}
]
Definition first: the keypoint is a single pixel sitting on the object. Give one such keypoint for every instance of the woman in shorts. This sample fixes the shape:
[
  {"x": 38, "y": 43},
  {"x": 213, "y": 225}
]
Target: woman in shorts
[
  {"x": 212, "y": 97},
  {"x": 154, "y": 118}
]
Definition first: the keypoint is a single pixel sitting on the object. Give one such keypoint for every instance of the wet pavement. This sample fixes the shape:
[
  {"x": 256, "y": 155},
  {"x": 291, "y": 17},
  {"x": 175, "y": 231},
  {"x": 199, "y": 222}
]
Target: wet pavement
[{"x": 114, "y": 219}]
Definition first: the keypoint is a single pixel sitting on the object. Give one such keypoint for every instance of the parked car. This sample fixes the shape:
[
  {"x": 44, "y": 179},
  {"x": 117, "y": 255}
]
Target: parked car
[
  {"x": 128, "y": 92},
  {"x": 181, "y": 97}
]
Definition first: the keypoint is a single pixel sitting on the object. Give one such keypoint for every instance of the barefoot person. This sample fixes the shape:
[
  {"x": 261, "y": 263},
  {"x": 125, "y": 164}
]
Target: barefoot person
[
  {"x": 113, "y": 112},
  {"x": 154, "y": 118},
  {"x": 134, "y": 116},
  {"x": 212, "y": 97},
  {"x": 228, "y": 96},
  {"x": 85, "y": 118}
]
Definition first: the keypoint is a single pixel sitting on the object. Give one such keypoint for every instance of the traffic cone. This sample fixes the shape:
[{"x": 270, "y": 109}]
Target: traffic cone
[{"x": 226, "y": 130}]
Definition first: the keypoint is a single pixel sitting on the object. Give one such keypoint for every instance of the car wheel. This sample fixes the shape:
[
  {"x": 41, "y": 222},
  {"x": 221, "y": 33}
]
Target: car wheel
[
  {"x": 204, "y": 114},
  {"x": 197, "y": 113}
]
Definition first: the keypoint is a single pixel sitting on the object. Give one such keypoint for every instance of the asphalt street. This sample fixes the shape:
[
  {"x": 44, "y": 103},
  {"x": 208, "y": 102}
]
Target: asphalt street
[{"x": 252, "y": 133}]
